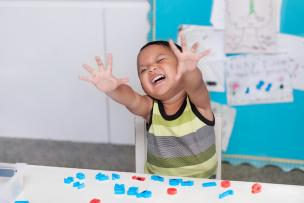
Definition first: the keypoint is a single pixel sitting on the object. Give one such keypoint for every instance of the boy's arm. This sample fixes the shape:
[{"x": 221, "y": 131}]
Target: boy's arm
[
  {"x": 137, "y": 104},
  {"x": 117, "y": 89},
  {"x": 191, "y": 77},
  {"x": 196, "y": 89}
]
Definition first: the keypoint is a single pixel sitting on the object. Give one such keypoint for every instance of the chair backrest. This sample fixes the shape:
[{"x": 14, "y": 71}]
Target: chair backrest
[
  {"x": 218, "y": 145},
  {"x": 141, "y": 144}
]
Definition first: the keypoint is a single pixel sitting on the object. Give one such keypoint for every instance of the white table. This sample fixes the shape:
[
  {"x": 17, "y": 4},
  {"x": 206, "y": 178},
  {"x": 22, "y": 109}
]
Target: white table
[{"x": 43, "y": 184}]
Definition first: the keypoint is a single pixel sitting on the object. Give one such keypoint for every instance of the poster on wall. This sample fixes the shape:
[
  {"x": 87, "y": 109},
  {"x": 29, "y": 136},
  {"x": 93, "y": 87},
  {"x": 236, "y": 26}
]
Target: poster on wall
[
  {"x": 293, "y": 47},
  {"x": 258, "y": 80},
  {"x": 217, "y": 18},
  {"x": 297, "y": 72},
  {"x": 250, "y": 26},
  {"x": 228, "y": 115},
  {"x": 208, "y": 38},
  {"x": 211, "y": 65}
]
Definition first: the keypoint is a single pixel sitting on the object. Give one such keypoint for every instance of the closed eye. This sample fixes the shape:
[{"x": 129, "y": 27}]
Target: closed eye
[
  {"x": 142, "y": 70},
  {"x": 160, "y": 60}
]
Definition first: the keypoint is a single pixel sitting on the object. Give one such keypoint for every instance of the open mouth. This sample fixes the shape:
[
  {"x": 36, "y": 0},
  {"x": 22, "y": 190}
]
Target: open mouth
[{"x": 158, "y": 78}]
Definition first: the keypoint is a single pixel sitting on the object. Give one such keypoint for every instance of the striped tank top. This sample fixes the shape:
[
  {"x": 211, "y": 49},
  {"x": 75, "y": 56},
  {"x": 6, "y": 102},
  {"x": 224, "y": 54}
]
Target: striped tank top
[{"x": 182, "y": 144}]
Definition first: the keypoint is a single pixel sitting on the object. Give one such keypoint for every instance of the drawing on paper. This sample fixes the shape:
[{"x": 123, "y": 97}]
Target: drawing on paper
[
  {"x": 250, "y": 26},
  {"x": 257, "y": 80},
  {"x": 211, "y": 65}
]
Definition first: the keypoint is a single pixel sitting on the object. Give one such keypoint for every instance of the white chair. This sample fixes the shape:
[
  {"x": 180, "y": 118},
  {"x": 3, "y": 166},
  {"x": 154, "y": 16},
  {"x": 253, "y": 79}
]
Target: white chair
[{"x": 141, "y": 144}]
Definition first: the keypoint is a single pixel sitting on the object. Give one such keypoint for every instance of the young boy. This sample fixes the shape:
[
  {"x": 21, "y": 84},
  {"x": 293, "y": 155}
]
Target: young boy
[{"x": 181, "y": 140}]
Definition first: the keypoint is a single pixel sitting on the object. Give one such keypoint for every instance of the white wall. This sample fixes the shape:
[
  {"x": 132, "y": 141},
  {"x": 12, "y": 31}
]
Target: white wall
[{"x": 42, "y": 47}]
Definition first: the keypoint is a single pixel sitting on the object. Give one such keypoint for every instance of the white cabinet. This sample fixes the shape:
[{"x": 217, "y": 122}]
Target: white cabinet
[
  {"x": 42, "y": 47},
  {"x": 125, "y": 48}
]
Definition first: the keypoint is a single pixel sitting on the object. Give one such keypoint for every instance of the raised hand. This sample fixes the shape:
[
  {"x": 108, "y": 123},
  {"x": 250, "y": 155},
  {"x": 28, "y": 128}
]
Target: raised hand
[
  {"x": 188, "y": 58},
  {"x": 102, "y": 78}
]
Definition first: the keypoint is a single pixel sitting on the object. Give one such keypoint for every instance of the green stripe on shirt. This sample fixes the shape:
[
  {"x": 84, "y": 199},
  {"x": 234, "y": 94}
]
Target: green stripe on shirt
[{"x": 203, "y": 170}]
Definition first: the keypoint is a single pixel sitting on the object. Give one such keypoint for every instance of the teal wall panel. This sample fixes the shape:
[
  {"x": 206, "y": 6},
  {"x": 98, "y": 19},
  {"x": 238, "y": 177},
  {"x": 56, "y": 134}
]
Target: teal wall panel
[{"x": 266, "y": 130}]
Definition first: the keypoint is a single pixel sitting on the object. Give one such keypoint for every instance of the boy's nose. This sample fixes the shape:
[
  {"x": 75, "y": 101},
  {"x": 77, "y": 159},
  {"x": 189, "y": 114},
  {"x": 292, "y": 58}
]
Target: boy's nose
[{"x": 153, "y": 67}]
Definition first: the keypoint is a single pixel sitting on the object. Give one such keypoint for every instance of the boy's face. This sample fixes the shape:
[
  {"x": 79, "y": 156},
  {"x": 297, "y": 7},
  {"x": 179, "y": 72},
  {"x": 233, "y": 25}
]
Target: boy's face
[{"x": 156, "y": 70}]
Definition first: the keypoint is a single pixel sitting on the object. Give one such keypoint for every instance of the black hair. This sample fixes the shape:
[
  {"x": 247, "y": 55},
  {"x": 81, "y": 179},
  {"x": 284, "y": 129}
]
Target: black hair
[{"x": 161, "y": 43}]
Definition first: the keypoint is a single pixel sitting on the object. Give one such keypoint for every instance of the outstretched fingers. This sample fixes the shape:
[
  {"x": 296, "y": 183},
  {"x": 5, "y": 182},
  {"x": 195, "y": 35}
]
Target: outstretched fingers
[
  {"x": 89, "y": 69},
  {"x": 195, "y": 47},
  {"x": 99, "y": 63},
  {"x": 86, "y": 78},
  {"x": 173, "y": 47},
  {"x": 204, "y": 53},
  {"x": 110, "y": 62},
  {"x": 183, "y": 41},
  {"x": 103, "y": 78}
]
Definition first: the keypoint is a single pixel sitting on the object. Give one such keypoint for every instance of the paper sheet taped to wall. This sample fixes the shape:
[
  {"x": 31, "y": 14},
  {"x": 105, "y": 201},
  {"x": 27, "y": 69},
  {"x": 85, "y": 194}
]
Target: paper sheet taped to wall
[
  {"x": 211, "y": 65},
  {"x": 228, "y": 115},
  {"x": 250, "y": 26},
  {"x": 258, "y": 79}
]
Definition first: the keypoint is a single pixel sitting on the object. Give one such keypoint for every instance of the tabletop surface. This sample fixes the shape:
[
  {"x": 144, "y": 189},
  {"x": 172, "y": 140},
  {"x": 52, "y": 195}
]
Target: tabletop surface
[{"x": 43, "y": 184}]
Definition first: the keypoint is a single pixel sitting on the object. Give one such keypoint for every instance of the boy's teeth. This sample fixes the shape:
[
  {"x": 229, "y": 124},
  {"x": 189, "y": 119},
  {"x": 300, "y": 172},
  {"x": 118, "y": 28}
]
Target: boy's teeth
[{"x": 157, "y": 78}]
